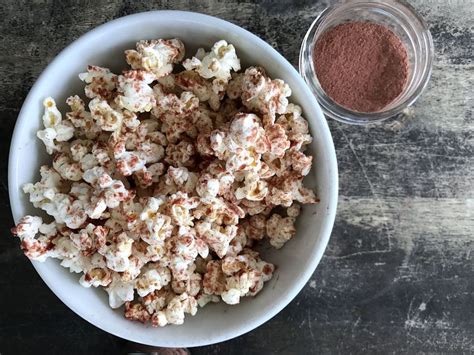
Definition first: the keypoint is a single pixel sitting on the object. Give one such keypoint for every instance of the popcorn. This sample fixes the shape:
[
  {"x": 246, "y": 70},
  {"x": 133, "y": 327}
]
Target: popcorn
[
  {"x": 182, "y": 251},
  {"x": 180, "y": 175},
  {"x": 264, "y": 95},
  {"x": 147, "y": 176},
  {"x": 127, "y": 162},
  {"x": 254, "y": 207},
  {"x": 107, "y": 118},
  {"x": 67, "y": 169},
  {"x": 218, "y": 63},
  {"x": 156, "y": 56},
  {"x": 234, "y": 89},
  {"x": 70, "y": 255},
  {"x": 150, "y": 152},
  {"x": 158, "y": 225},
  {"x": 134, "y": 93},
  {"x": 205, "y": 91},
  {"x": 164, "y": 183},
  {"x": 296, "y": 127},
  {"x": 300, "y": 162},
  {"x": 180, "y": 154},
  {"x": 34, "y": 248},
  {"x": 28, "y": 227},
  {"x": 280, "y": 230},
  {"x": 177, "y": 179},
  {"x": 236, "y": 276},
  {"x": 108, "y": 192},
  {"x": 177, "y": 114},
  {"x": 167, "y": 84},
  {"x": 222, "y": 211},
  {"x": 203, "y": 299},
  {"x": 152, "y": 277},
  {"x": 225, "y": 178},
  {"x": 157, "y": 300},
  {"x": 239, "y": 242},
  {"x": 236, "y": 287},
  {"x": 289, "y": 187},
  {"x": 125, "y": 217},
  {"x": 191, "y": 285},
  {"x": 136, "y": 312},
  {"x": 118, "y": 252},
  {"x": 96, "y": 277},
  {"x": 100, "y": 82},
  {"x": 255, "y": 229},
  {"x": 89, "y": 239},
  {"x": 119, "y": 291},
  {"x": 248, "y": 263},
  {"x": 240, "y": 146},
  {"x": 79, "y": 149},
  {"x": 207, "y": 186},
  {"x": 279, "y": 143},
  {"x": 45, "y": 195},
  {"x": 81, "y": 119},
  {"x": 216, "y": 236},
  {"x": 135, "y": 265},
  {"x": 174, "y": 312},
  {"x": 294, "y": 210},
  {"x": 180, "y": 206},
  {"x": 254, "y": 189},
  {"x": 55, "y": 130},
  {"x": 214, "y": 279}
]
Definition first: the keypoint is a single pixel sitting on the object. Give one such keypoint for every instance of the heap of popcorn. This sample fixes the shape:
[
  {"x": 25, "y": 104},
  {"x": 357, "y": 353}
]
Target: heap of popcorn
[{"x": 161, "y": 185}]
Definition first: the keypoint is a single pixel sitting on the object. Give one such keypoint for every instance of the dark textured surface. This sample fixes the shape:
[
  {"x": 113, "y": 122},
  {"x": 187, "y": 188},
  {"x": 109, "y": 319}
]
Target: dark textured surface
[{"x": 397, "y": 274}]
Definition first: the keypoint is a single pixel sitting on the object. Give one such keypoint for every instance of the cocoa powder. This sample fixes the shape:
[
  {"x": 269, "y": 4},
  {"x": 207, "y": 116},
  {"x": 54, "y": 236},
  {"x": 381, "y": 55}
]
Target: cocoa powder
[{"x": 362, "y": 66}]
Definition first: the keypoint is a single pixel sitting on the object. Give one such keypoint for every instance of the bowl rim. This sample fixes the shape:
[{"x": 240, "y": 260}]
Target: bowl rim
[{"x": 331, "y": 161}]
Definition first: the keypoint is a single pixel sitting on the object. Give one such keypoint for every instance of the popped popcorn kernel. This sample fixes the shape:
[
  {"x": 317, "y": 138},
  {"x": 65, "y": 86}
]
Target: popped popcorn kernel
[
  {"x": 81, "y": 119},
  {"x": 69, "y": 170},
  {"x": 117, "y": 251},
  {"x": 156, "y": 56},
  {"x": 218, "y": 63},
  {"x": 106, "y": 117},
  {"x": 55, "y": 130},
  {"x": 280, "y": 230},
  {"x": 294, "y": 210},
  {"x": 256, "y": 227},
  {"x": 96, "y": 277},
  {"x": 134, "y": 92},
  {"x": 136, "y": 312},
  {"x": 191, "y": 81},
  {"x": 152, "y": 277},
  {"x": 264, "y": 95},
  {"x": 101, "y": 82},
  {"x": 119, "y": 291},
  {"x": 35, "y": 248},
  {"x": 254, "y": 189},
  {"x": 214, "y": 279},
  {"x": 175, "y": 311}
]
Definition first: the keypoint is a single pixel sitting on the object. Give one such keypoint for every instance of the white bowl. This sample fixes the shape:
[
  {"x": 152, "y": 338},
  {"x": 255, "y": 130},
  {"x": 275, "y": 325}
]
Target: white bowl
[{"x": 296, "y": 262}]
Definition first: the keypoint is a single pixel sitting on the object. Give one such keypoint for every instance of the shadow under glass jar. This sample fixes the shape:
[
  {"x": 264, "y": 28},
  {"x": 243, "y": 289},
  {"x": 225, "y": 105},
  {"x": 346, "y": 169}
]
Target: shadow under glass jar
[{"x": 398, "y": 17}]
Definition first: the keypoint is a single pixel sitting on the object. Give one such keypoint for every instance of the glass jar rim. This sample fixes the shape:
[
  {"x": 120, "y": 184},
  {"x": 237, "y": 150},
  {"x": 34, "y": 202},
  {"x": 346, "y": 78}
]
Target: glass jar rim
[{"x": 340, "y": 113}]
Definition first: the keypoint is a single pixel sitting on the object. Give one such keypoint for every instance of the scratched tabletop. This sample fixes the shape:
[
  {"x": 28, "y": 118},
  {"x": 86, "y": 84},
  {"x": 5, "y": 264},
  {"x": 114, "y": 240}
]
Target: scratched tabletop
[{"x": 398, "y": 273}]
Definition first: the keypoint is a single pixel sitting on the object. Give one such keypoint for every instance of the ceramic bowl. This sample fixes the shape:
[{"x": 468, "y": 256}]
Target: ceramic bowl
[{"x": 296, "y": 262}]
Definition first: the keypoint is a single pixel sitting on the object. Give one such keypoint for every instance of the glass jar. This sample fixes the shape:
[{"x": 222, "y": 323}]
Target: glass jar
[{"x": 404, "y": 22}]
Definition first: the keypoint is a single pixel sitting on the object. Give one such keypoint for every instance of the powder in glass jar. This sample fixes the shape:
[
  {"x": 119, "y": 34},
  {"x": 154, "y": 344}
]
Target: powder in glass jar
[{"x": 362, "y": 66}]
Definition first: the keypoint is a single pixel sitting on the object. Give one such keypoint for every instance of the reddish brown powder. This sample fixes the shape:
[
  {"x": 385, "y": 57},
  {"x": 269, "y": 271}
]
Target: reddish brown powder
[{"x": 362, "y": 66}]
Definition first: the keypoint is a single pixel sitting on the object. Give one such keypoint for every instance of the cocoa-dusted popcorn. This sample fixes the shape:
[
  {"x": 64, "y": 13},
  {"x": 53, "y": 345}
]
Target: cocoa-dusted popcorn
[
  {"x": 156, "y": 56},
  {"x": 163, "y": 182}
]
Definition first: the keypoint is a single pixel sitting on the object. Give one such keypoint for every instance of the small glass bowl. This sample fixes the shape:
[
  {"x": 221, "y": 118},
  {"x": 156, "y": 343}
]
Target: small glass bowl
[{"x": 404, "y": 22}]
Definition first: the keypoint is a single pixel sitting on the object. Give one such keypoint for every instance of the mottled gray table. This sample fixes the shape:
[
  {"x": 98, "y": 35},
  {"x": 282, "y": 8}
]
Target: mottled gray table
[{"x": 398, "y": 272}]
